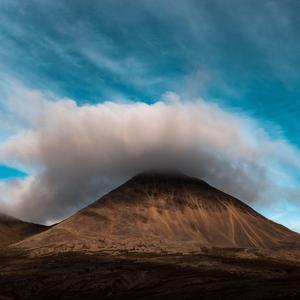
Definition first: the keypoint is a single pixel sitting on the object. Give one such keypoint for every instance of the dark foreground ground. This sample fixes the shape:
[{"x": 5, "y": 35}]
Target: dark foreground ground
[{"x": 78, "y": 276}]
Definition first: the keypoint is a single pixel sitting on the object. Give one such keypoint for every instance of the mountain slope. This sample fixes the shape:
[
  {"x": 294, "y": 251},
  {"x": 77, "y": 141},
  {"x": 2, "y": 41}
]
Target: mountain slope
[
  {"x": 163, "y": 212},
  {"x": 13, "y": 230}
]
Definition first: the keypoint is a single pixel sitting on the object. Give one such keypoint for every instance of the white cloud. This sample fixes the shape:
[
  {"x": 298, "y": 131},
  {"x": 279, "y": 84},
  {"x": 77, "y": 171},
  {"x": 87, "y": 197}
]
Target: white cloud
[{"x": 76, "y": 153}]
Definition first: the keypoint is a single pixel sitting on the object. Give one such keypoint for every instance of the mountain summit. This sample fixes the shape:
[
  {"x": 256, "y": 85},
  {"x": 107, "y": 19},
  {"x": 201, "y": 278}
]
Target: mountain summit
[{"x": 163, "y": 211}]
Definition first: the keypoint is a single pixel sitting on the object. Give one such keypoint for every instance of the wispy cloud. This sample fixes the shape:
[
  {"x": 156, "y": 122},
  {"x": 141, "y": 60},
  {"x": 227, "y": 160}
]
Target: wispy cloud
[{"x": 142, "y": 49}]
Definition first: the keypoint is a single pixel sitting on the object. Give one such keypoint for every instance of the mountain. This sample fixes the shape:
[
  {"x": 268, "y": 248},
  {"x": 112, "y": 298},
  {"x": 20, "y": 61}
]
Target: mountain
[
  {"x": 163, "y": 212},
  {"x": 13, "y": 230}
]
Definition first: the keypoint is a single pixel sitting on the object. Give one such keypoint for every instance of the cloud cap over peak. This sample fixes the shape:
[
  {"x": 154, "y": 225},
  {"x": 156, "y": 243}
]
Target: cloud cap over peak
[{"x": 76, "y": 153}]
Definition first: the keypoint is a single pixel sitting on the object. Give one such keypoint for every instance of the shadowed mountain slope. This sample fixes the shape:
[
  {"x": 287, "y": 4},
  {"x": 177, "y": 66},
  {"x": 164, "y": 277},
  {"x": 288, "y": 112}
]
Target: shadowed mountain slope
[
  {"x": 155, "y": 212},
  {"x": 13, "y": 230}
]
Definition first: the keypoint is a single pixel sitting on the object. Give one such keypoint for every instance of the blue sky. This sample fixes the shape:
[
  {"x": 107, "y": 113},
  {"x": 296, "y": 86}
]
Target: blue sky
[
  {"x": 242, "y": 55},
  {"x": 7, "y": 172}
]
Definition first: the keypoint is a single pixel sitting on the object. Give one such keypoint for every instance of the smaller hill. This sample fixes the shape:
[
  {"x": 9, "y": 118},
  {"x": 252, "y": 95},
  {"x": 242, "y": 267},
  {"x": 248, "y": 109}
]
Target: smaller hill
[{"x": 13, "y": 230}]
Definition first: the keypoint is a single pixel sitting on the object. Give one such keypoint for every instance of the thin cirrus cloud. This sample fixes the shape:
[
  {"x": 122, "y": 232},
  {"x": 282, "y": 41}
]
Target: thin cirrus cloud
[{"x": 76, "y": 153}]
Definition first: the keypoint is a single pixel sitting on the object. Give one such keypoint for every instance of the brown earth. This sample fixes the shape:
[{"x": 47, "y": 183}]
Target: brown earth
[
  {"x": 213, "y": 275},
  {"x": 165, "y": 212}
]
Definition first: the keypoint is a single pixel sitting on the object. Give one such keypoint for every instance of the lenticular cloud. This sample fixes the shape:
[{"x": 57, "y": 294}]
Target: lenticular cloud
[{"x": 76, "y": 153}]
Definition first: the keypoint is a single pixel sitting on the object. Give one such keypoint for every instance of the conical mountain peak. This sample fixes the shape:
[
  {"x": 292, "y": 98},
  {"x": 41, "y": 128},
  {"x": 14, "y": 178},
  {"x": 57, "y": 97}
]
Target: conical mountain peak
[{"x": 163, "y": 211}]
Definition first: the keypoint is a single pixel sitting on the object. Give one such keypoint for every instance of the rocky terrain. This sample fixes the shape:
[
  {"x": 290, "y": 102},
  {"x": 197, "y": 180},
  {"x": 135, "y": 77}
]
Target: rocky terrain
[
  {"x": 157, "y": 236},
  {"x": 211, "y": 275}
]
